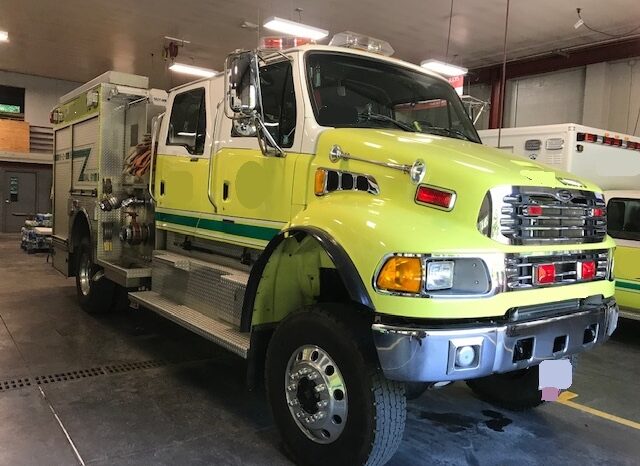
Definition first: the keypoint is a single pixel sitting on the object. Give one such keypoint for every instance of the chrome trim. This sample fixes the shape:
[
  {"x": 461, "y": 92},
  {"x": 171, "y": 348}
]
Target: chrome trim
[
  {"x": 336, "y": 153},
  {"x": 374, "y": 188},
  {"x": 505, "y": 219},
  {"x": 425, "y": 354},
  {"x": 155, "y": 131},
  {"x": 494, "y": 262}
]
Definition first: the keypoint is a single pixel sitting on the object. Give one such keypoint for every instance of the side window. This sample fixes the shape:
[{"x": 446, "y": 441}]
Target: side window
[
  {"x": 188, "y": 122},
  {"x": 279, "y": 101},
  {"x": 623, "y": 218}
]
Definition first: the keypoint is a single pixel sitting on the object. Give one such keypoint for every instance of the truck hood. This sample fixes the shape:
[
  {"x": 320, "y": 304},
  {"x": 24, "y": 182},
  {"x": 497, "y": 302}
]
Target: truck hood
[{"x": 449, "y": 158}]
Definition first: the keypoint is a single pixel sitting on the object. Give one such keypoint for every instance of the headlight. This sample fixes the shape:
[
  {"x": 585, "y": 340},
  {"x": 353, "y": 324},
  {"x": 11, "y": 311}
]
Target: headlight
[
  {"x": 439, "y": 275},
  {"x": 484, "y": 216}
]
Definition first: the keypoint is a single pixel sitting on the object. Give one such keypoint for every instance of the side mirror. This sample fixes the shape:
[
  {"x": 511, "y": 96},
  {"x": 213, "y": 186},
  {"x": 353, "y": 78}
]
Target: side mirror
[{"x": 242, "y": 83}]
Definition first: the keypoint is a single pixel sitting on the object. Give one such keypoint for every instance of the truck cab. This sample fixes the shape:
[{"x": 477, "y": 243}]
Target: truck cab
[{"x": 330, "y": 215}]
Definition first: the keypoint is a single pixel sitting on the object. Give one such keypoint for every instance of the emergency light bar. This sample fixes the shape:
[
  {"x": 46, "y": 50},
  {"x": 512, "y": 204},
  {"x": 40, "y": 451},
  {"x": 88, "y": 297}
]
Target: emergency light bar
[
  {"x": 282, "y": 43},
  {"x": 354, "y": 40},
  {"x": 608, "y": 141}
]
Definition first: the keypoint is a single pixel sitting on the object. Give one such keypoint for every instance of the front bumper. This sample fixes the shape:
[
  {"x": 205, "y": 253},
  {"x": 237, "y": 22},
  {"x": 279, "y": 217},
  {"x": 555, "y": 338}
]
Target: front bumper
[{"x": 423, "y": 354}]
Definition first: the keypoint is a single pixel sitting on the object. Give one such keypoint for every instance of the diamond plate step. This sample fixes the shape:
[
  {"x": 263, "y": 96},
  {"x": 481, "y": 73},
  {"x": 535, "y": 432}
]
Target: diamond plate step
[
  {"x": 212, "y": 289},
  {"x": 221, "y": 333}
]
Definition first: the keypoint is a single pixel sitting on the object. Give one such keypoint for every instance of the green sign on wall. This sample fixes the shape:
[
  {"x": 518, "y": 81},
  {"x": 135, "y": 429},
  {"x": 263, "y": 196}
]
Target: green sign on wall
[{"x": 5, "y": 108}]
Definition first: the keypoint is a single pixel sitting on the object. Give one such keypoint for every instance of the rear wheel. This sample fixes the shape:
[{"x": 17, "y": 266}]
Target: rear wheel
[
  {"x": 517, "y": 390},
  {"x": 95, "y": 292},
  {"x": 329, "y": 398}
]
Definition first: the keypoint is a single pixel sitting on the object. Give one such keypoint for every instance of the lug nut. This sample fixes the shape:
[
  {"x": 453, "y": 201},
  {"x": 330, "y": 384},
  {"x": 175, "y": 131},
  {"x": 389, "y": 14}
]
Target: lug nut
[{"x": 320, "y": 388}]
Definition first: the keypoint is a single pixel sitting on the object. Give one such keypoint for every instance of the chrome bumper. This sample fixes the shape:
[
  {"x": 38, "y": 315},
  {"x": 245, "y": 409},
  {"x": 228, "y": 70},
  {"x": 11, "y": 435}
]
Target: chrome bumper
[{"x": 429, "y": 355}]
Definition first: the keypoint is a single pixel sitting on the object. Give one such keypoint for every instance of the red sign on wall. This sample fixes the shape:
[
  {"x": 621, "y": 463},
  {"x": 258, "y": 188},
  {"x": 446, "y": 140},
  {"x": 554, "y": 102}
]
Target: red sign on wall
[{"x": 457, "y": 82}]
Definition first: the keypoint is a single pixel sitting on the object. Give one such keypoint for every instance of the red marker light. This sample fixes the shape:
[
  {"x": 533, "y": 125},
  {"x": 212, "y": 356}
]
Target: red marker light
[
  {"x": 588, "y": 270},
  {"x": 545, "y": 273},
  {"x": 597, "y": 212},
  {"x": 534, "y": 210},
  {"x": 436, "y": 197},
  {"x": 590, "y": 137}
]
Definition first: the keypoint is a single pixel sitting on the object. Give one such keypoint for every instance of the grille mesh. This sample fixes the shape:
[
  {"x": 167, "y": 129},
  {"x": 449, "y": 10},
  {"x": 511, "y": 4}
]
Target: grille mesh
[
  {"x": 521, "y": 269},
  {"x": 546, "y": 216}
]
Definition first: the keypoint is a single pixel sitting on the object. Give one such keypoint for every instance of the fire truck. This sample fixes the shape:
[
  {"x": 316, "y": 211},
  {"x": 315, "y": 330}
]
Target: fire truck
[
  {"x": 610, "y": 159},
  {"x": 329, "y": 214}
]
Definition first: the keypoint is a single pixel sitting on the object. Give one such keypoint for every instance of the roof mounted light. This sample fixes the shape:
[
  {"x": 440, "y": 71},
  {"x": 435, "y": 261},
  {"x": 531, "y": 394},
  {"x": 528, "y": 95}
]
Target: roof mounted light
[
  {"x": 282, "y": 43},
  {"x": 4, "y": 36},
  {"x": 445, "y": 69},
  {"x": 295, "y": 29},
  {"x": 192, "y": 70},
  {"x": 354, "y": 40}
]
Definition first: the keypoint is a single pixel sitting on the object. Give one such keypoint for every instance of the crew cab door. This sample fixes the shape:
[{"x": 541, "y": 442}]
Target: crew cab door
[
  {"x": 248, "y": 185},
  {"x": 184, "y": 147}
]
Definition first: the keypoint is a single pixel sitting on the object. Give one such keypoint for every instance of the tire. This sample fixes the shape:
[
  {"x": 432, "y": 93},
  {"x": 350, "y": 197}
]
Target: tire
[
  {"x": 374, "y": 407},
  {"x": 95, "y": 293},
  {"x": 517, "y": 390}
]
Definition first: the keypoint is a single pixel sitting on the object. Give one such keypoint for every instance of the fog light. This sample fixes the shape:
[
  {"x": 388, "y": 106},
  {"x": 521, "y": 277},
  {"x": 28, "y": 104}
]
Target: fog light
[
  {"x": 465, "y": 356},
  {"x": 439, "y": 275}
]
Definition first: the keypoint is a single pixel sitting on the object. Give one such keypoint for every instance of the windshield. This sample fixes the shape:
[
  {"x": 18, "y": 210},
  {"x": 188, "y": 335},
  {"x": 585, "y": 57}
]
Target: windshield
[{"x": 349, "y": 91}]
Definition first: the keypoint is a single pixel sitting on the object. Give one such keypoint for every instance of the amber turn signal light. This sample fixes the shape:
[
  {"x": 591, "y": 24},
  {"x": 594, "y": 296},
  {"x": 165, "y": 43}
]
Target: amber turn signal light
[
  {"x": 402, "y": 274},
  {"x": 320, "y": 182}
]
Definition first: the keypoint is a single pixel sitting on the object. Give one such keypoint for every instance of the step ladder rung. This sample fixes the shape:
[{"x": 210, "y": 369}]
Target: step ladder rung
[{"x": 219, "y": 332}]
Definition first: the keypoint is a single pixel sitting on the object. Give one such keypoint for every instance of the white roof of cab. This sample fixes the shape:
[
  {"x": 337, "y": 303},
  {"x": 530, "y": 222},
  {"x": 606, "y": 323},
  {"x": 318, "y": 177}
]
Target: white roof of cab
[{"x": 326, "y": 48}]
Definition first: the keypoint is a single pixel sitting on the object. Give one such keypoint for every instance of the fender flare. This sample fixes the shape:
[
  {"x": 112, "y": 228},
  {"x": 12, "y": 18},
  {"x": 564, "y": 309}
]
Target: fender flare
[{"x": 344, "y": 265}]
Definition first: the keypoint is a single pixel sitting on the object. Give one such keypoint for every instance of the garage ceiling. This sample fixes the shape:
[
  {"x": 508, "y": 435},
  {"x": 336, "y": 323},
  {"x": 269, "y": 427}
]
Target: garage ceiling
[{"x": 78, "y": 39}]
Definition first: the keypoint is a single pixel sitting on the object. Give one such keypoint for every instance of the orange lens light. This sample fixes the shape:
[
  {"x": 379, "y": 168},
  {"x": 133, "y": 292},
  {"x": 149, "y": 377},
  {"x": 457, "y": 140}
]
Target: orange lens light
[
  {"x": 320, "y": 182},
  {"x": 403, "y": 274}
]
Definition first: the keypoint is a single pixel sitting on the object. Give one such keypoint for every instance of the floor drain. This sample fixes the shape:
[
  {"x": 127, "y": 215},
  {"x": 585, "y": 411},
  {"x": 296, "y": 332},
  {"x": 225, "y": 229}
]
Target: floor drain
[
  {"x": 14, "y": 384},
  {"x": 48, "y": 379}
]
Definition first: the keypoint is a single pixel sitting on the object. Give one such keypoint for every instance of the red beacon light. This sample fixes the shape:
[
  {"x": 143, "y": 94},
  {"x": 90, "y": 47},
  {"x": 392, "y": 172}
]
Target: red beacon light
[{"x": 282, "y": 43}]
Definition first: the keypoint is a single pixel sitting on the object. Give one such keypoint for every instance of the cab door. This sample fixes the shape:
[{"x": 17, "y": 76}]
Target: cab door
[
  {"x": 251, "y": 190},
  {"x": 184, "y": 147},
  {"x": 623, "y": 216}
]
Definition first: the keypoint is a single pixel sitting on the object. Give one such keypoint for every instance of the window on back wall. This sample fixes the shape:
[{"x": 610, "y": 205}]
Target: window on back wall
[{"x": 12, "y": 102}]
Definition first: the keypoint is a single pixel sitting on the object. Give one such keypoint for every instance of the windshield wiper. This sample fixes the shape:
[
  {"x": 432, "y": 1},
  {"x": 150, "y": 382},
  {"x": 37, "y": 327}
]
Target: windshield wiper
[
  {"x": 456, "y": 133},
  {"x": 379, "y": 117}
]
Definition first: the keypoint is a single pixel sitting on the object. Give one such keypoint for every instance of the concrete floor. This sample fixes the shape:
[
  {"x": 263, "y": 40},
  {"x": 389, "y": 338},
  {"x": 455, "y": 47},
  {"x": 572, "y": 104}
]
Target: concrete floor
[{"x": 145, "y": 391}]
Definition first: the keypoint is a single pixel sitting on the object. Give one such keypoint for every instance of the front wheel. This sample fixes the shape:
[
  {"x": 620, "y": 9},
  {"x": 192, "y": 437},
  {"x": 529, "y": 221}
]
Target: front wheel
[
  {"x": 95, "y": 292},
  {"x": 329, "y": 398}
]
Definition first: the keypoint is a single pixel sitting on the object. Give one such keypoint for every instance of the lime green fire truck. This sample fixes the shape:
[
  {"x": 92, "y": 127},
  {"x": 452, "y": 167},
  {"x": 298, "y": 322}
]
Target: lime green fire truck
[{"x": 329, "y": 214}]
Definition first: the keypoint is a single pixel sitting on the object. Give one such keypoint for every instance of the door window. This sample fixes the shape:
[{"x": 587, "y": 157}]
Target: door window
[
  {"x": 278, "y": 103},
  {"x": 188, "y": 122},
  {"x": 623, "y": 218}
]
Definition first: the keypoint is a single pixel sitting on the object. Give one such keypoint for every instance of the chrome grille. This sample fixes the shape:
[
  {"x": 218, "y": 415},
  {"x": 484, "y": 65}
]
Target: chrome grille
[
  {"x": 550, "y": 216},
  {"x": 520, "y": 270}
]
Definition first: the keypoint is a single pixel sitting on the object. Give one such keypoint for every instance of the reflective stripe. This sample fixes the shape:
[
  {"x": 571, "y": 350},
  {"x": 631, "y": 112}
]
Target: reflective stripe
[{"x": 228, "y": 227}]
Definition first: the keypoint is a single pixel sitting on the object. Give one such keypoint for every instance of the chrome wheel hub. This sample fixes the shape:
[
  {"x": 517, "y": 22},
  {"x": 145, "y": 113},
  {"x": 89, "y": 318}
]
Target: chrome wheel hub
[
  {"x": 84, "y": 275},
  {"x": 316, "y": 394}
]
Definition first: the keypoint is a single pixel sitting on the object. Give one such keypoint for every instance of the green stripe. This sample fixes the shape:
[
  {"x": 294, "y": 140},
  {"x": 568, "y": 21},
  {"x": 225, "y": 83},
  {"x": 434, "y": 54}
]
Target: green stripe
[
  {"x": 627, "y": 285},
  {"x": 236, "y": 229}
]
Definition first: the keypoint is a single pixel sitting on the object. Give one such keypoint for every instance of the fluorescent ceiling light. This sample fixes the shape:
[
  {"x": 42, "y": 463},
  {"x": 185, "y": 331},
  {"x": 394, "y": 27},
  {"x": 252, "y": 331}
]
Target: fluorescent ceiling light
[
  {"x": 193, "y": 70},
  {"x": 445, "y": 69},
  {"x": 4, "y": 36},
  {"x": 295, "y": 29}
]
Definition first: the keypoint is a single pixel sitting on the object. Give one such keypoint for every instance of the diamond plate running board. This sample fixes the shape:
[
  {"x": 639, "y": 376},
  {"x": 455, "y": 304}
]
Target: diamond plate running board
[{"x": 221, "y": 333}]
